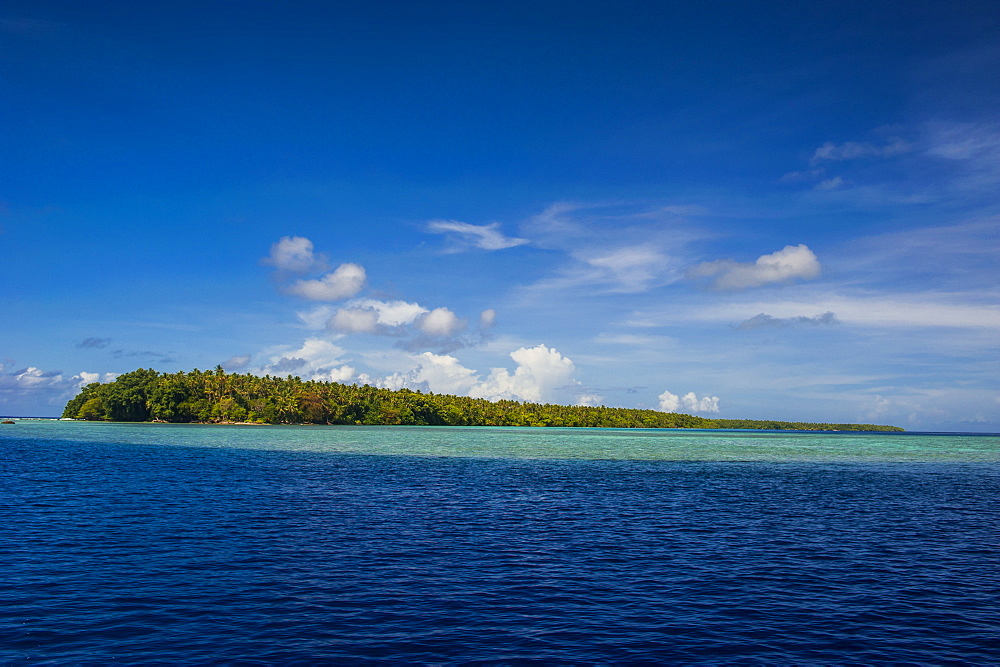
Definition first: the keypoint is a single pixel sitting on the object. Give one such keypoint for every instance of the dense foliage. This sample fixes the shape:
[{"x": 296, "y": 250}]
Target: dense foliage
[{"x": 220, "y": 397}]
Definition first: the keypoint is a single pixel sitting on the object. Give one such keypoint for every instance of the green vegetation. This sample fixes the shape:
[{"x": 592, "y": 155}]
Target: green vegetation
[{"x": 220, "y": 397}]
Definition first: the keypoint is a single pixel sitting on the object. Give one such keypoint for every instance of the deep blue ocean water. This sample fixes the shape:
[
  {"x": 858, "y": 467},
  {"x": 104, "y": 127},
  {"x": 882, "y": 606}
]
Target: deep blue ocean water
[{"x": 197, "y": 544}]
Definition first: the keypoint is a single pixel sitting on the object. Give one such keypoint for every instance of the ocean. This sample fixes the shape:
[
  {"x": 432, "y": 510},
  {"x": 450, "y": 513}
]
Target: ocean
[{"x": 152, "y": 543}]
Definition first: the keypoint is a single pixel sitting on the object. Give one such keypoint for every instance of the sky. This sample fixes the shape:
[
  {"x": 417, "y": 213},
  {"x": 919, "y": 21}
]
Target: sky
[{"x": 759, "y": 210}]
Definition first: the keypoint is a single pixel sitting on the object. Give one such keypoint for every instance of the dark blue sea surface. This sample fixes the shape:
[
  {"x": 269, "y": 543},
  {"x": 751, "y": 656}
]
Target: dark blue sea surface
[{"x": 138, "y": 552}]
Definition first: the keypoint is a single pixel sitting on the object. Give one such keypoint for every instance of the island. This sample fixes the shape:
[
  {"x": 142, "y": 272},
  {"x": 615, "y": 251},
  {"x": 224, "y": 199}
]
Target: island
[{"x": 217, "y": 397}]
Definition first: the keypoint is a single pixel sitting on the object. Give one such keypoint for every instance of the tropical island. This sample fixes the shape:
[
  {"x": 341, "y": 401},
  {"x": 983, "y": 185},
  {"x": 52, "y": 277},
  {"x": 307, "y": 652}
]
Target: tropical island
[{"x": 217, "y": 397}]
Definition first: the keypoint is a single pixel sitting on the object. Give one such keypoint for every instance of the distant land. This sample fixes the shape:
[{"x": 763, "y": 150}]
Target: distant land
[{"x": 217, "y": 397}]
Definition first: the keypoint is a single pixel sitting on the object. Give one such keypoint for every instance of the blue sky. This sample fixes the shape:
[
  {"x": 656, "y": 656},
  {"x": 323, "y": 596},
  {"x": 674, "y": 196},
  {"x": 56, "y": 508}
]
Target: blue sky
[{"x": 733, "y": 209}]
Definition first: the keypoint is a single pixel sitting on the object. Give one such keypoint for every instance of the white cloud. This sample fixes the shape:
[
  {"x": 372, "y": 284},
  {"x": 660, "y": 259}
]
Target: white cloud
[
  {"x": 295, "y": 254},
  {"x": 539, "y": 370},
  {"x": 346, "y": 281},
  {"x": 689, "y": 402},
  {"x": 589, "y": 400},
  {"x": 316, "y": 359},
  {"x": 338, "y": 374},
  {"x": 32, "y": 391},
  {"x": 354, "y": 320},
  {"x": 391, "y": 313},
  {"x": 378, "y": 317},
  {"x": 316, "y": 318},
  {"x": 484, "y": 237},
  {"x": 789, "y": 263},
  {"x": 440, "y": 323},
  {"x": 633, "y": 268},
  {"x": 440, "y": 373}
]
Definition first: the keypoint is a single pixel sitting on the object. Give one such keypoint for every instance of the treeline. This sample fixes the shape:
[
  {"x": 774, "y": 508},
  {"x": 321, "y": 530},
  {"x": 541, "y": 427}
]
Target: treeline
[{"x": 220, "y": 397}]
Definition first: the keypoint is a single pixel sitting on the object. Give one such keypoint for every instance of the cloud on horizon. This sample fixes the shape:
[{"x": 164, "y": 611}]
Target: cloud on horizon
[
  {"x": 537, "y": 373},
  {"x": 689, "y": 402},
  {"x": 32, "y": 386}
]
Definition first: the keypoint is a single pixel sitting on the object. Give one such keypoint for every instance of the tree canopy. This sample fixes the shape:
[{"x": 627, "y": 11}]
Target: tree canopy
[{"x": 219, "y": 397}]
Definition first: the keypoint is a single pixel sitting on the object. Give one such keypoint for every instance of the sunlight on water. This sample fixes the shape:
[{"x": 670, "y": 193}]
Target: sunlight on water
[{"x": 538, "y": 443}]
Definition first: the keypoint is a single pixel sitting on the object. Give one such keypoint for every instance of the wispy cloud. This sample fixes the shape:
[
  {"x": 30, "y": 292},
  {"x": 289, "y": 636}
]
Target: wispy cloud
[
  {"x": 465, "y": 235},
  {"x": 884, "y": 310},
  {"x": 853, "y": 150},
  {"x": 612, "y": 248}
]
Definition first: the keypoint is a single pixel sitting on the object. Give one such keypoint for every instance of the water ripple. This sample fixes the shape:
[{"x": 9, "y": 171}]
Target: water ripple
[{"x": 151, "y": 553}]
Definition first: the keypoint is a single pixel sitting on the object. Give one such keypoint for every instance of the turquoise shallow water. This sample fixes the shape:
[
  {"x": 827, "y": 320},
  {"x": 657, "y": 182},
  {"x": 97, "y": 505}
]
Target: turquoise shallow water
[
  {"x": 539, "y": 443},
  {"x": 162, "y": 544}
]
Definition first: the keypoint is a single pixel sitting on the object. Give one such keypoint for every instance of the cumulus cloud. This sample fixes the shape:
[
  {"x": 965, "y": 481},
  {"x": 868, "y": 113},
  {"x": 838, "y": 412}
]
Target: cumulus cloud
[
  {"x": 589, "y": 400},
  {"x": 465, "y": 235},
  {"x": 419, "y": 328},
  {"x": 236, "y": 362},
  {"x": 852, "y": 150},
  {"x": 487, "y": 319},
  {"x": 94, "y": 343},
  {"x": 440, "y": 323},
  {"x": 689, "y": 402},
  {"x": 764, "y": 320},
  {"x": 785, "y": 265},
  {"x": 342, "y": 283},
  {"x": 440, "y": 373},
  {"x": 372, "y": 316},
  {"x": 539, "y": 370},
  {"x": 392, "y": 313},
  {"x": 354, "y": 320},
  {"x": 316, "y": 359},
  {"x": 295, "y": 254}
]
